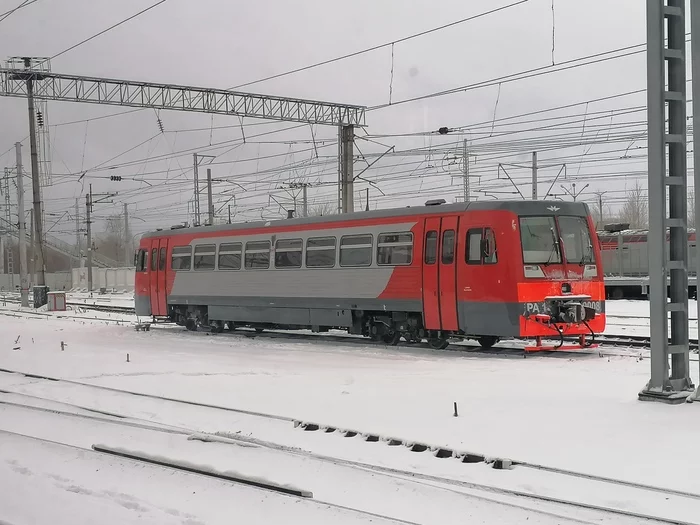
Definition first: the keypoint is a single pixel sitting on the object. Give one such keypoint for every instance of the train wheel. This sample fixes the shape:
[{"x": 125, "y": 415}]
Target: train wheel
[
  {"x": 487, "y": 341},
  {"x": 259, "y": 330},
  {"x": 231, "y": 326},
  {"x": 392, "y": 338},
  {"x": 191, "y": 325},
  {"x": 438, "y": 343},
  {"x": 217, "y": 327}
]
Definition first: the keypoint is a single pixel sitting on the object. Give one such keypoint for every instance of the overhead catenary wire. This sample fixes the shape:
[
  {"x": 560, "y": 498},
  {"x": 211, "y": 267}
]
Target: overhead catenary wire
[
  {"x": 107, "y": 29},
  {"x": 24, "y": 4},
  {"x": 381, "y": 46},
  {"x": 557, "y": 140},
  {"x": 525, "y": 74}
]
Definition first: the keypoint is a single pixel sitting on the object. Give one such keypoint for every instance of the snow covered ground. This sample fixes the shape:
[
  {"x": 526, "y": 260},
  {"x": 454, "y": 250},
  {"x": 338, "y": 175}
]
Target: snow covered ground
[
  {"x": 628, "y": 317},
  {"x": 570, "y": 412}
]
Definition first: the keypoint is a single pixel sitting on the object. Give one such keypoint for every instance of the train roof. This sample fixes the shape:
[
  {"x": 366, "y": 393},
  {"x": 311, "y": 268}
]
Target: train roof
[
  {"x": 519, "y": 207},
  {"x": 632, "y": 232}
]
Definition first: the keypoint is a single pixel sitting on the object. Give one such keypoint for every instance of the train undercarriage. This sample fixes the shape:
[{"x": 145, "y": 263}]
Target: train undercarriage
[{"x": 385, "y": 327}]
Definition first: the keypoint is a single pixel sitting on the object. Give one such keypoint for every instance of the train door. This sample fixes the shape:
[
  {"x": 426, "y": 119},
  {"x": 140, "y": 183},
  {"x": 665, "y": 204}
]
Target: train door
[
  {"x": 161, "y": 276},
  {"x": 153, "y": 275},
  {"x": 431, "y": 283},
  {"x": 439, "y": 274},
  {"x": 448, "y": 273}
]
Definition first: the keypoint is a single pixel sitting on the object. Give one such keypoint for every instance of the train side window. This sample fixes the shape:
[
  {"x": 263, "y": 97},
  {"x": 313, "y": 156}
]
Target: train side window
[
  {"x": 288, "y": 253},
  {"x": 395, "y": 248},
  {"x": 356, "y": 250},
  {"x": 431, "y": 242},
  {"x": 141, "y": 260},
  {"x": 474, "y": 237},
  {"x": 230, "y": 256},
  {"x": 204, "y": 257},
  {"x": 181, "y": 258},
  {"x": 481, "y": 246},
  {"x": 489, "y": 251},
  {"x": 154, "y": 259},
  {"x": 161, "y": 260},
  {"x": 448, "y": 247},
  {"x": 320, "y": 252},
  {"x": 257, "y": 255}
]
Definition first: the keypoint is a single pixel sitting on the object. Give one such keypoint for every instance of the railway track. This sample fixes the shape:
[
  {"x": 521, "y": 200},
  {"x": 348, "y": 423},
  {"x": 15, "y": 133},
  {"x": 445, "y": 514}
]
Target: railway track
[
  {"x": 488, "y": 490},
  {"x": 281, "y": 489},
  {"x": 607, "y": 340}
]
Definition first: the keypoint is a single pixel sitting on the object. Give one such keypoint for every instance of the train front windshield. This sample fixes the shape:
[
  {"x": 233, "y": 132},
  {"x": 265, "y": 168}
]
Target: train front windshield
[{"x": 555, "y": 240}]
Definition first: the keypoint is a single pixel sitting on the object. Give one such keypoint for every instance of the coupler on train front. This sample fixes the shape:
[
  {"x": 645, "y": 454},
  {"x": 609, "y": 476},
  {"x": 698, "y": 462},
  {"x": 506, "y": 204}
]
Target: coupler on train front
[{"x": 571, "y": 320}]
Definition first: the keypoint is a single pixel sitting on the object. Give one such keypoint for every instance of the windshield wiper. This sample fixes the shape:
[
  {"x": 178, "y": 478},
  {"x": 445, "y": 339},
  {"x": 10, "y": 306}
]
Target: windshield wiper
[
  {"x": 556, "y": 249},
  {"x": 588, "y": 256}
]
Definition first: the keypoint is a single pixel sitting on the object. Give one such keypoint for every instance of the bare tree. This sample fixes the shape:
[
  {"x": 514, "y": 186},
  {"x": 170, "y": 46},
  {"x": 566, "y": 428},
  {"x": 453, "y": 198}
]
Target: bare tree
[
  {"x": 322, "y": 209},
  {"x": 635, "y": 208},
  {"x": 111, "y": 243}
]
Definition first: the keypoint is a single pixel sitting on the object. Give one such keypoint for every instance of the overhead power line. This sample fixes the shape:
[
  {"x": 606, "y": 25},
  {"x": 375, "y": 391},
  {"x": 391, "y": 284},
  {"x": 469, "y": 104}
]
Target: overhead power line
[
  {"x": 108, "y": 29},
  {"x": 529, "y": 73},
  {"x": 25, "y": 3},
  {"x": 380, "y": 46}
]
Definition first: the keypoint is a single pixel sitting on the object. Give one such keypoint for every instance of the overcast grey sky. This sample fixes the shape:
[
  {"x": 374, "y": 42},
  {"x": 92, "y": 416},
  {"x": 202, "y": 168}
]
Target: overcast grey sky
[{"x": 216, "y": 43}]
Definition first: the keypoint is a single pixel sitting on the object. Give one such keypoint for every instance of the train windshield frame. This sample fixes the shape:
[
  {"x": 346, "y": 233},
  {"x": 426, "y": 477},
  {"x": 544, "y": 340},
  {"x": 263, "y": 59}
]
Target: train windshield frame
[{"x": 550, "y": 239}]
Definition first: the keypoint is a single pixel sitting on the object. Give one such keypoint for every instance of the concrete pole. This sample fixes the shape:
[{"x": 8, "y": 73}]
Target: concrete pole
[
  {"x": 197, "y": 217},
  {"x": 88, "y": 212},
  {"x": 340, "y": 169},
  {"x": 78, "y": 241},
  {"x": 210, "y": 198},
  {"x": 347, "y": 175},
  {"x": 32, "y": 251},
  {"x": 127, "y": 238},
  {"x": 305, "y": 196},
  {"x": 534, "y": 175},
  {"x": 39, "y": 262},
  {"x": 229, "y": 214},
  {"x": 23, "y": 278}
]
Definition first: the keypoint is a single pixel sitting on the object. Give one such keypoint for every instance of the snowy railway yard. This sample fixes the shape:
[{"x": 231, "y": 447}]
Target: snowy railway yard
[{"x": 170, "y": 426}]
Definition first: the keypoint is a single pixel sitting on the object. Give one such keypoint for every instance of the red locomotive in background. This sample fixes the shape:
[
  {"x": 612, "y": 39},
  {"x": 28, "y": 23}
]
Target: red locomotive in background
[{"x": 481, "y": 270}]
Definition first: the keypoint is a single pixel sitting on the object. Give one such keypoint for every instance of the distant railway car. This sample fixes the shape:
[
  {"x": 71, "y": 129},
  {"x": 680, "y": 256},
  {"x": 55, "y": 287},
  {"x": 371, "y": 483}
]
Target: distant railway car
[
  {"x": 625, "y": 253},
  {"x": 482, "y": 270}
]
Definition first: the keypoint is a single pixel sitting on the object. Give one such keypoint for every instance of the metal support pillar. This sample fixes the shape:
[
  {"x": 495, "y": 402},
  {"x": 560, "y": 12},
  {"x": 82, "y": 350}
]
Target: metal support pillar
[
  {"x": 197, "y": 217},
  {"x": 210, "y": 199},
  {"x": 88, "y": 217},
  {"x": 39, "y": 258},
  {"x": 23, "y": 278},
  {"x": 666, "y": 18},
  {"x": 534, "y": 176},
  {"x": 465, "y": 154},
  {"x": 346, "y": 168},
  {"x": 695, "y": 69}
]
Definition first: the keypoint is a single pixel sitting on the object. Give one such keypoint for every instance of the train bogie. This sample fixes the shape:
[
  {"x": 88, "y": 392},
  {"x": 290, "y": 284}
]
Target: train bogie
[{"x": 482, "y": 271}]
